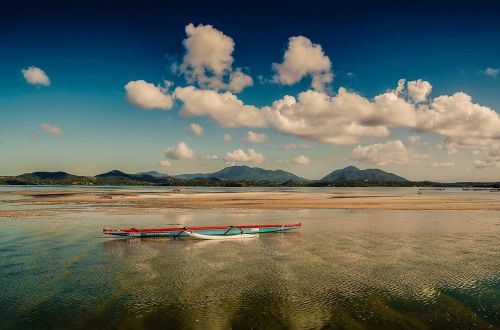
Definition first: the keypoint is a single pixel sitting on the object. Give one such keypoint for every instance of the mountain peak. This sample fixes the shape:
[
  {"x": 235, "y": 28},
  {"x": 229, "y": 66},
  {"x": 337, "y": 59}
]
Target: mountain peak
[
  {"x": 154, "y": 174},
  {"x": 58, "y": 175},
  {"x": 352, "y": 173},
  {"x": 244, "y": 172},
  {"x": 350, "y": 168},
  {"x": 113, "y": 173}
]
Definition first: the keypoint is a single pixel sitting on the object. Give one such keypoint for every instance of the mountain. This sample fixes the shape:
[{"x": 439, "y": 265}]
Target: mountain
[
  {"x": 235, "y": 176},
  {"x": 119, "y": 177},
  {"x": 154, "y": 174},
  {"x": 116, "y": 174},
  {"x": 193, "y": 176},
  {"x": 352, "y": 173},
  {"x": 48, "y": 178},
  {"x": 236, "y": 173}
]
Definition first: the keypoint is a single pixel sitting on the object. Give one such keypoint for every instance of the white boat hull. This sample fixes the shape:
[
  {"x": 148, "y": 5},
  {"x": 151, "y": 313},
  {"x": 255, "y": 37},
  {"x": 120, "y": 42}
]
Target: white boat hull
[{"x": 220, "y": 237}]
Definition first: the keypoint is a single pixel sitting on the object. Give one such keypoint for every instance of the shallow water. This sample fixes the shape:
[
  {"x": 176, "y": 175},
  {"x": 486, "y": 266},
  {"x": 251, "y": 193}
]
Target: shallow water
[{"x": 343, "y": 269}]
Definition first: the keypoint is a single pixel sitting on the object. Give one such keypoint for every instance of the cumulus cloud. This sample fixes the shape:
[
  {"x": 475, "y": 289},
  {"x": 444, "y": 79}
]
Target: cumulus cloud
[
  {"x": 181, "y": 151},
  {"x": 225, "y": 108},
  {"x": 148, "y": 96},
  {"x": 303, "y": 58},
  {"x": 51, "y": 129},
  {"x": 248, "y": 156},
  {"x": 253, "y": 137},
  {"x": 165, "y": 163},
  {"x": 296, "y": 146},
  {"x": 391, "y": 152},
  {"x": 459, "y": 120},
  {"x": 400, "y": 87},
  {"x": 341, "y": 119},
  {"x": 196, "y": 129},
  {"x": 491, "y": 72},
  {"x": 442, "y": 164},
  {"x": 492, "y": 158},
  {"x": 301, "y": 160},
  {"x": 35, "y": 76},
  {"x": 210, "y": 157},
  {"x": 227, "y": 138},
  {"x": 347, "y": 117},
  {"x": 488, "y": 162},
  {"x": 209, "y": 61},
  {"x": 418, "y": 90}
]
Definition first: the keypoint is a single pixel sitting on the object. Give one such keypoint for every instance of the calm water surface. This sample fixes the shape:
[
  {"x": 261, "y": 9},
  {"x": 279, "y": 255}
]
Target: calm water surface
[{"x": 343, "y": 269}]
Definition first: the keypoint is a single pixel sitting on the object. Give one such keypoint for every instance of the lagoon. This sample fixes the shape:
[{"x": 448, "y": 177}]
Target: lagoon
[{"x": 346, "y": 268}]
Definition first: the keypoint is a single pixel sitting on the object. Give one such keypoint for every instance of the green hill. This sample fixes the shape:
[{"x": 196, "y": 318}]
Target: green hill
[
  {"x": 236, "y": 173},
  {"x": 352, "y": 173}
]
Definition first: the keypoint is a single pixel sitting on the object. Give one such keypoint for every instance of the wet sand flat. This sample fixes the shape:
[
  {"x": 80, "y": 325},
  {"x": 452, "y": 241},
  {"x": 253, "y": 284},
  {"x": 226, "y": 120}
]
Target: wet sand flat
[{"x": 57, "y": 202}]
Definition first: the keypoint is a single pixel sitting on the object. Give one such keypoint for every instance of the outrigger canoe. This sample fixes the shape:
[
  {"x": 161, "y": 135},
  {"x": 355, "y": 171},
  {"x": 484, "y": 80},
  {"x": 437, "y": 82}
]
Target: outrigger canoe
[
  {"x": 208, "y": 231},
  {"x": 220, "y": 237}
]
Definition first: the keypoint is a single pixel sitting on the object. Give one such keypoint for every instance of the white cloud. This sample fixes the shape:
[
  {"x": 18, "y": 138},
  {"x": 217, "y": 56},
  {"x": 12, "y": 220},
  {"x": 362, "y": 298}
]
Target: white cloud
[
  {"x": 491, "y": 72},
  {"x": 210, "y": 157},
  {"x": 487, "y": 162},
  {"x": 347, "y": 117},
  {"x": 248, "y": 156},
  {"x": 227, "y": 138},
  {"x": 196, "y": 129},
  {"x": 492, "y": 159},
  {"x": 392, "y": 152},
  {"x": 165, "y": 163},
  {"x": 51, "y": 129},
  {"x": 208, "y": 60},
  {"x": 442, "y": 164},
  {"x": 181, "y": 151},
  {"x": 418, "y": 90},
  {"x": 253, "y": 137},
  {"x": 35, "y": 76},
  {"x": 401, "y": 86},
  {"x": 148, "y": 96},
  {"x": 303, "y": 58},
  {"x": 225, "y": 108},
  {"x": 296, "y": 146},
  {"x": 301, "y": 160},
  {"x": 460, "y": 121},
  {"x": 342, "y": 119}
]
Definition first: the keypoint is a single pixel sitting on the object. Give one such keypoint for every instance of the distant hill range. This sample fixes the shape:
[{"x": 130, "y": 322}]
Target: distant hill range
[
  {"x": 236, "y": 173},
  {"x": 154, "y": 174},
  {"x": 352, "y": 173},
  {"x": 232, "y": 176}
]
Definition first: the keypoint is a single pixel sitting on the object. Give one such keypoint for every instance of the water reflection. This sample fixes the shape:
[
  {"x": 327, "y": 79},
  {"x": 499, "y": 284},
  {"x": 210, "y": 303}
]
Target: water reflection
[{"x": 349, "y": 269}]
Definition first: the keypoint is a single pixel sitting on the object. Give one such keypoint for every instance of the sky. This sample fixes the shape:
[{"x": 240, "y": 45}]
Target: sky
[{"x": 91, "y": 86}]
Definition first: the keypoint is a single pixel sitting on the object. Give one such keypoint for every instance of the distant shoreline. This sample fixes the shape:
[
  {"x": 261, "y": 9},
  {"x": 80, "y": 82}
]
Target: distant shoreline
[
  {"x": 251, "y": 183},
  {"x": 236, "y": 176}
]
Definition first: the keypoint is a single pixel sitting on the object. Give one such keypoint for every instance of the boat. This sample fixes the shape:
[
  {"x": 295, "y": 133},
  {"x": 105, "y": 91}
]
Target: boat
[
  {"x": 220, "y": 237},
  {"x": 207, "y": 230}
]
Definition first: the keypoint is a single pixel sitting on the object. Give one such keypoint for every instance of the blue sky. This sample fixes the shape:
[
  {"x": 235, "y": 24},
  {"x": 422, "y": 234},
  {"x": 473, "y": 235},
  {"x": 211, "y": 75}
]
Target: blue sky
[{"x": 89, "y": 51}]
